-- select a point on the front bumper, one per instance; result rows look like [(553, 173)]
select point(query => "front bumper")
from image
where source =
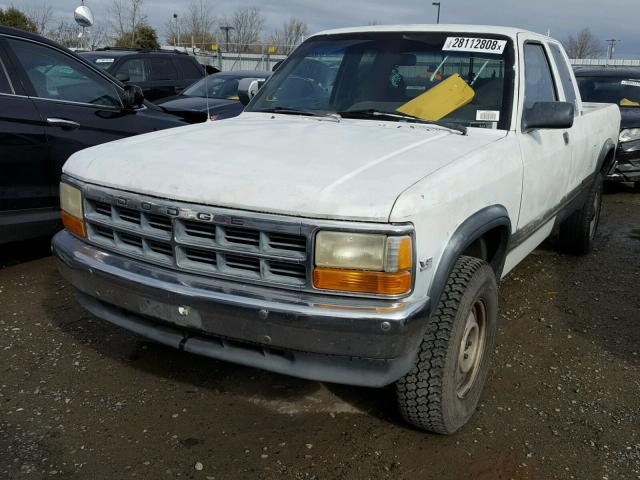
[(342, 340), (627, 168)]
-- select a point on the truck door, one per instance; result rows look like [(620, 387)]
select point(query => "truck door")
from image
[(584, 150), (547, 154)]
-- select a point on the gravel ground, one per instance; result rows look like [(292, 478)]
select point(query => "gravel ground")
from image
[(81, 399)]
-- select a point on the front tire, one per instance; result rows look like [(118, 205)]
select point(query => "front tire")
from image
[(442, 390)]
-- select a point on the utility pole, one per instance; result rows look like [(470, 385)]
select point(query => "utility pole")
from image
[(226, 29), (612, 45), (437, 4)]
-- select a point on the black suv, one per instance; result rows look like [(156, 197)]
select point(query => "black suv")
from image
[(52, 104), (160, 73)]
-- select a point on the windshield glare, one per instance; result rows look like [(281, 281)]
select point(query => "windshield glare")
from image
[(621, 91), (433, 76), (219, 87)]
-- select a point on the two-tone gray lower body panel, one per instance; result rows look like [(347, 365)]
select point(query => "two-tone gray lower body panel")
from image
[(318, 337)]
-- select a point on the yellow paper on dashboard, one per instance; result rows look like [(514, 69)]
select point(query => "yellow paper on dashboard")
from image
[(439, 101), (625, 102)]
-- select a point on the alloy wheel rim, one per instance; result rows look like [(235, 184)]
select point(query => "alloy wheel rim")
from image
[(471, 349)]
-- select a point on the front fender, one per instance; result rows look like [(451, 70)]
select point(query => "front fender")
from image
[(469, 231)]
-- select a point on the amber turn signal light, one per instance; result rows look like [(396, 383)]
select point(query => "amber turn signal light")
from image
[(73, 224), (360, 281)]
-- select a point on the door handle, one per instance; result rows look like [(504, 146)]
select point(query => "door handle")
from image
[(63, 123), (565, 135)]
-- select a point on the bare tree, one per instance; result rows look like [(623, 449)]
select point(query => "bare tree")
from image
[(289, 36), (126, 16), (195, 25), (65, 33), (584, 45), (98, 36), (247, 25), (41, 15)]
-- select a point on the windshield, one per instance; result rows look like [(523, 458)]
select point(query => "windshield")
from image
[(465, 79), (219, 86), (621, 91)]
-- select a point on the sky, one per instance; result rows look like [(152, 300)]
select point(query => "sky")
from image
[(607, 19)]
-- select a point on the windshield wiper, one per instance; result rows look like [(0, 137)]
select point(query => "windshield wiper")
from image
[(299, 111), (372, 113)]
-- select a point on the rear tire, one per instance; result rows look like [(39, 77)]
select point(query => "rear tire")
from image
[(578, 231), (442, 390)]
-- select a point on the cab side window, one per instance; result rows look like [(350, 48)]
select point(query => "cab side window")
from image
[(565, 76), (133, 70), (56, 76), (162, 69), (539, 85), (5, 86)]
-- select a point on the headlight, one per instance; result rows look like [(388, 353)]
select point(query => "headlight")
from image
[(71, 206), (363, 263), (629, 134)]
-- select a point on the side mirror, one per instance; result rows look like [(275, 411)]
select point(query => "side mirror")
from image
[(277, 64), (547, 115), (123, 77), (248, 88), (132, 97)]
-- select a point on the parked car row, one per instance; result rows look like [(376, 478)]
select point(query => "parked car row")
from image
[(394, 176), (54, 103)]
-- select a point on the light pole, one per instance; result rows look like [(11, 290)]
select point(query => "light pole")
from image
[(437, 4), (226, 29), (175, 17)]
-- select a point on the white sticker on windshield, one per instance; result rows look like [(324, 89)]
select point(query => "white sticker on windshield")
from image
[(632, 83), (468, 44), (105, 60), (488, 115)]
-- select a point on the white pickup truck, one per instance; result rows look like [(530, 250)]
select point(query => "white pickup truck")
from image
[(352, 224)]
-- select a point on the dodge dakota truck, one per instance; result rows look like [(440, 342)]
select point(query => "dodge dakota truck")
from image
[(351, 225)]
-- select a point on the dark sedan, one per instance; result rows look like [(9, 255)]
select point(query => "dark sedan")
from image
[(622, 87), (222, 91), (52, 104)]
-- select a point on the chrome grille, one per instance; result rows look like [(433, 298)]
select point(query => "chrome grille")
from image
[(198, 240)]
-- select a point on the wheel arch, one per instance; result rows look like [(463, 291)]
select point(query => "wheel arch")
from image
[(485, 235), (606, 157)]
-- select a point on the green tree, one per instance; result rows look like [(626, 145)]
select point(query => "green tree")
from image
[(12, 17), (143, 36)]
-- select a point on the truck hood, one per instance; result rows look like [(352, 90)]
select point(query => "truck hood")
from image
[(291, 165)]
